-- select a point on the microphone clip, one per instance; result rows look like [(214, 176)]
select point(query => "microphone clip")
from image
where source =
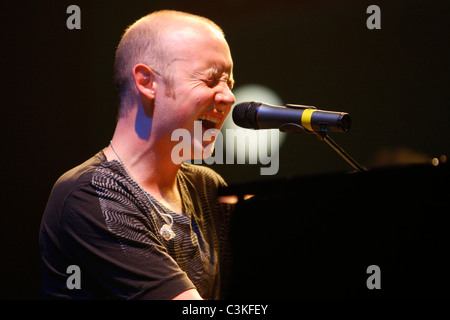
[(299, 106), (293, 127)]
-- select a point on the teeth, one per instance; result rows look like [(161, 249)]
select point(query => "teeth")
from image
[(209, 118)]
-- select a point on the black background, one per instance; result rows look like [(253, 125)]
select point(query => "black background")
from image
[(59, 107)]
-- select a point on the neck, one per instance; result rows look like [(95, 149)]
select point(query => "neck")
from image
[(147, 160)]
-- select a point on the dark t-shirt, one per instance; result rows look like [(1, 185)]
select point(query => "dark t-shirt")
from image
[(98, 219)]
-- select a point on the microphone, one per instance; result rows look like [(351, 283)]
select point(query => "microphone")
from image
[(292, 118)]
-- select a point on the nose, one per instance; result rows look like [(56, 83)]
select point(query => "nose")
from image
[(224, 98)]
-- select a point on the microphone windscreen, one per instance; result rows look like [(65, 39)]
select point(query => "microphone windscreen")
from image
[(244, 114)]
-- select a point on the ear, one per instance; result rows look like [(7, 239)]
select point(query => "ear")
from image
[(144, 79)]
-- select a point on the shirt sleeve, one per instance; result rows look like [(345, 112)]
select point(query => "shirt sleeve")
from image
[(116, 247)]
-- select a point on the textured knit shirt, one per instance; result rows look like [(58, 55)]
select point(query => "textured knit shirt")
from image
[(98, 219)]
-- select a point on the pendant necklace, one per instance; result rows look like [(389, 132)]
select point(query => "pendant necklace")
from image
[(166, 231)]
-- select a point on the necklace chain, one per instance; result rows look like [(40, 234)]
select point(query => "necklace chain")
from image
[(166, 230)]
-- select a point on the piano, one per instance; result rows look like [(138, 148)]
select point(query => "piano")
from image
[(380, 234)]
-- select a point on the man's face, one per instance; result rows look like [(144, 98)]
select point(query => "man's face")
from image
[(202, 80)]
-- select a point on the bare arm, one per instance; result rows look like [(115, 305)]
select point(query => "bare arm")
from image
[(191, 294)]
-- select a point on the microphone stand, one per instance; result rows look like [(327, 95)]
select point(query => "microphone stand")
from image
[(322, 136)]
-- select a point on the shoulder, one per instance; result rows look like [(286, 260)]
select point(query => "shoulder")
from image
[(80, 174), (199, 173), (72, 182)]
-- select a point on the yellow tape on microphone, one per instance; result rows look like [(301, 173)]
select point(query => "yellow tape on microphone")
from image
[(306, 119)]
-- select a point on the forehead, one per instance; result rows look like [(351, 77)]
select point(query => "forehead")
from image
[(201, 47)]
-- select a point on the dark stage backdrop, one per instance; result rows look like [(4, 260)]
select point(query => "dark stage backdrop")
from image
[(59, 107)]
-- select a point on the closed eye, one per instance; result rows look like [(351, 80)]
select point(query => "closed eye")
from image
[(215, 81), (212, 82)]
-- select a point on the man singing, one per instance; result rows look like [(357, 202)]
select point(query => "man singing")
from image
[(136, 224)]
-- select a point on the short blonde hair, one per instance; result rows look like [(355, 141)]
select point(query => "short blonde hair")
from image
[(143, 42)]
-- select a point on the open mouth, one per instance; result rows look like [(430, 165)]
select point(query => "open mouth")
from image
[(209, 122)]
